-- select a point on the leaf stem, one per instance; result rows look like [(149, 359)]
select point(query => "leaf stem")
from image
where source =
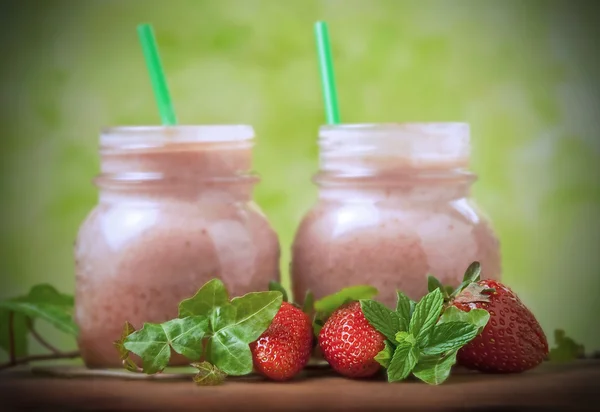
[(33, 358), (11, 338), (41, 340)]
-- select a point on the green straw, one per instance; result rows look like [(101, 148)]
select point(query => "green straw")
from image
[(157, 76), (326, 69)]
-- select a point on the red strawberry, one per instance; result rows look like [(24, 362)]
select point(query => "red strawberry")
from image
[(284, 348), (349, 343), (512, 340)]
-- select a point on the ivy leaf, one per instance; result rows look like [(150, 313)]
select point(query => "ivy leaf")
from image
[(404, 309), (403, 361), (153, 342), (238, 324), (384, 357), (309, 303), (328, 304), (208, 375), (381, 318), (276, 286), (476, 317), (210, 296), (436, 369), (128, 329), (45, 302), (450, 336), (426, 314)]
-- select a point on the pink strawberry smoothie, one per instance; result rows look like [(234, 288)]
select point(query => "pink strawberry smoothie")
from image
[(393, 207), (175, 210)]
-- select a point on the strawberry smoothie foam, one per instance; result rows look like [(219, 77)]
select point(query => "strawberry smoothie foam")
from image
[(393, 207), (175, 210)]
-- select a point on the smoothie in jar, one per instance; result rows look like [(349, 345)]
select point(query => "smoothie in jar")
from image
[(175, 210), (393, 207)]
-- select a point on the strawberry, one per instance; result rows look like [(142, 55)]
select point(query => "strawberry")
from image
[(283, 350), (512, 341), (349, 343)]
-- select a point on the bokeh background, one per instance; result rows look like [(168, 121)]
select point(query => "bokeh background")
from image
[(522, 73)]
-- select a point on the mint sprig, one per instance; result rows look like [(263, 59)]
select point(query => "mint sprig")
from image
[(207, 320), (422, 338)]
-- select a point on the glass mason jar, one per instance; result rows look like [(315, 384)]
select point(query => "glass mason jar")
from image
[(175, 210), (393, 207)]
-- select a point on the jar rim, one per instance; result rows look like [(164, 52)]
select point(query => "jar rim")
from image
[(424, 127), (117, 136)]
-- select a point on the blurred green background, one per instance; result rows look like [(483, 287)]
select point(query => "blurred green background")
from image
[(520, 72)]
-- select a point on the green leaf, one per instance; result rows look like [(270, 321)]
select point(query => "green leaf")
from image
[(230, 354), (450, 336), (426, 314), (128, 329), (381, 318), (566, 349), (208, 375), (309, 303), (210, 296), (237, 325), (153, 342), (433, 283), (404, 309), (405, 338), (330, 303), (318, 325), (476, 317), (186, 334), (435, 370), (45, 302), (254, 312), (402, 363), (472, 274), (384, 357), (20, 332), (276, 286)]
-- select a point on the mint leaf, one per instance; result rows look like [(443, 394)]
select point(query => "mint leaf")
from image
[(20, 331), (45, 302), (426, 314), (381, 318), (330, 303), (435, 370), (405, 338), (450, 336), (384, 357), (208, 375), (276, 286), (210, 296), (402, 363), (309, 303), (404, 309), (476, 317), (566, 348), (153, 342), (229, 353), (433, 283)]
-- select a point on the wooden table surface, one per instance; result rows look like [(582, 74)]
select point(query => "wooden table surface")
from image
[(572, 386)]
